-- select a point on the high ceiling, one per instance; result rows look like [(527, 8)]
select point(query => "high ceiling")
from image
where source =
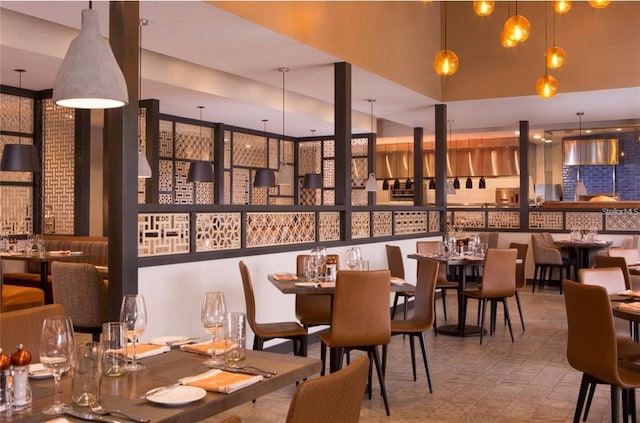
[(194, 54)]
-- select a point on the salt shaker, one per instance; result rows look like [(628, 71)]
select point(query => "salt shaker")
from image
[(5, 388), (330, 270), (21, 389)]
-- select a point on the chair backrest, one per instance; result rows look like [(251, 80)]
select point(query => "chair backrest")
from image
[(544, 252), (336, 397), (360, 310), (522, 249), (423, 309), (499, 273), (619, 262), (631, 255), (490, 238), (610, 278), (548, 238), (300, 262), (249, 297), (81, 292), (394, 261), (24, 327), (591, 336)]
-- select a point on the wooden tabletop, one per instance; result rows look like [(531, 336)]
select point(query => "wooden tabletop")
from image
[(582, 244), (45, 257), (304, 287), (123, 392), (451, 261)]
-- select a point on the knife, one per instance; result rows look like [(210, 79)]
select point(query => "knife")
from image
[(245, 371), (85, 415)]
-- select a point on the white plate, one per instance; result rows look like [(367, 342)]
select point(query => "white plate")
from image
[(76, 253), (170, 340), (177, 396), (305, 284)]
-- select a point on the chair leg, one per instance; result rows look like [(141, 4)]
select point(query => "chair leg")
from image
[(412, 348), (383, 389), (615, 399), (632, 405), (484, 309), (520, 310), (395, 305), (406, 305), (384, 358), (582, 393), (592, 391), (506, 313), (444, 303), (424, 358), (323, 357)]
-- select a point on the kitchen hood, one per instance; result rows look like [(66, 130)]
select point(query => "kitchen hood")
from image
[(590, 152)]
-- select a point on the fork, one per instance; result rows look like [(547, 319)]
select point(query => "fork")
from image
[(97, 408)]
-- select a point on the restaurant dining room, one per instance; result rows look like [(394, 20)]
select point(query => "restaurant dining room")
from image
[(236, 211)]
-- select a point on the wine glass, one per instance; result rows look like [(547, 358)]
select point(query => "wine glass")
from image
[(31, 240), (39, 239), (56, 353), (353, 258), (212, 316), (133, 314)]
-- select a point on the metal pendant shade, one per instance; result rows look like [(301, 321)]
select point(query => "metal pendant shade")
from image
[(90, 77), (144, 169), (385, 185), (20, 158), (312, 181), (396, 184), (372, 183), (469, 183), (456, 183), (200, 171), (432, 183), (482, 184), (408, 184), (265, 178)]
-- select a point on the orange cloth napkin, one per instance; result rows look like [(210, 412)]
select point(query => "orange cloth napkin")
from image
[(635, 307), (327, 284), (216, 380), (285, 277), (397, 281), (147, 350), (206, 347)]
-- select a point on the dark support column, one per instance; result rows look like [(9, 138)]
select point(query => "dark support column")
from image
[(524, 175), (218, 164), (342, 119), (152, 123), (418, 167), (82, 171), (441, 159), (121, 131)]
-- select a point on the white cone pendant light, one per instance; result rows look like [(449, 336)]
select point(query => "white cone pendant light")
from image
[(90, 77)]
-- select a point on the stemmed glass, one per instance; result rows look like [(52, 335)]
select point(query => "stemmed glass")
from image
[(56, 353), (133, 313), (212, 317), (353, 258), (31, 240), (320, 254), (39, 239)]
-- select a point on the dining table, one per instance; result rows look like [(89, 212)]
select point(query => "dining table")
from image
[(585, 249), (126, 392), (459, 265), (44, 260), (298, 285), (628, 307)]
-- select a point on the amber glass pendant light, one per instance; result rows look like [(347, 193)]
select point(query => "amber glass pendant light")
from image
[(547, 85), (561, 6), (517, 27), (483, 7), (555, 55), (446, 61), (599, 4)]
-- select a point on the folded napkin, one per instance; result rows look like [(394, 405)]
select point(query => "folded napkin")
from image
[(147, 350), (630, 293), (629, 307), (284, 277), (327, 284), (397, 281), (59, 252), (206, 347), (216, 380)]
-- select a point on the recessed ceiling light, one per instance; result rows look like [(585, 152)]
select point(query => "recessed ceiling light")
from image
[(588, 131), (618, 129), (517, 132), (547, 141), (537, 137)]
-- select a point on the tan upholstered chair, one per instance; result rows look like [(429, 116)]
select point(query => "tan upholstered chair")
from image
[(359, 320), (396, 267), (24, 327), (632, 281), (592, 345), (443, 283), (489, 238), (313, 310), (14, 297), (631, 255), (82, 293), (266, 331), (423, 315), (498, 283), (333, 398), (547, 257), (521, 280)]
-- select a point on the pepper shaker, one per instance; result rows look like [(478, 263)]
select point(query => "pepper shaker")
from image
[(5, 388)]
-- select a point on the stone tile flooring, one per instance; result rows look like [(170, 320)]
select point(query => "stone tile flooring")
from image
[(499, 381)]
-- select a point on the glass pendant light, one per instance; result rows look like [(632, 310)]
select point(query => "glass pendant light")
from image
[(20, 157), (483, 7), (561, 6), (200, 170), (555, 55), (90, 77), (446, 61), (546, 85), (599, 4), (372, 183), (284, 176), (517, 27), (265, 178)]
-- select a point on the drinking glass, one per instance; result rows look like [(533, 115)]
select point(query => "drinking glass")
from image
[(321, 255), (354, 256), (212, 316), (31, 240), (39, 238), (56, 353), (133, 314)]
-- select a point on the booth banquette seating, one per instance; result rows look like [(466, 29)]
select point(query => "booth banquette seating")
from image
[(95, 248)]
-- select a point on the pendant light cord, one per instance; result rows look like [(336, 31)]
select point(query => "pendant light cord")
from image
[(545, 41), (445, 25), (20, 72)]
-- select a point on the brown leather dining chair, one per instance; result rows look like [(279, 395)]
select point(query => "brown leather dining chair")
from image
[(498, 283), (592, 347), (443, 283), (332, 398), (313, 310), (396, 267), (266, 331), (83, 294), (547, 258), (632, 281), (360, 320), (422, 318)]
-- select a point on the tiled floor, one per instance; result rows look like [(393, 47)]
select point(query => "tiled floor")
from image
[(499, 381)]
